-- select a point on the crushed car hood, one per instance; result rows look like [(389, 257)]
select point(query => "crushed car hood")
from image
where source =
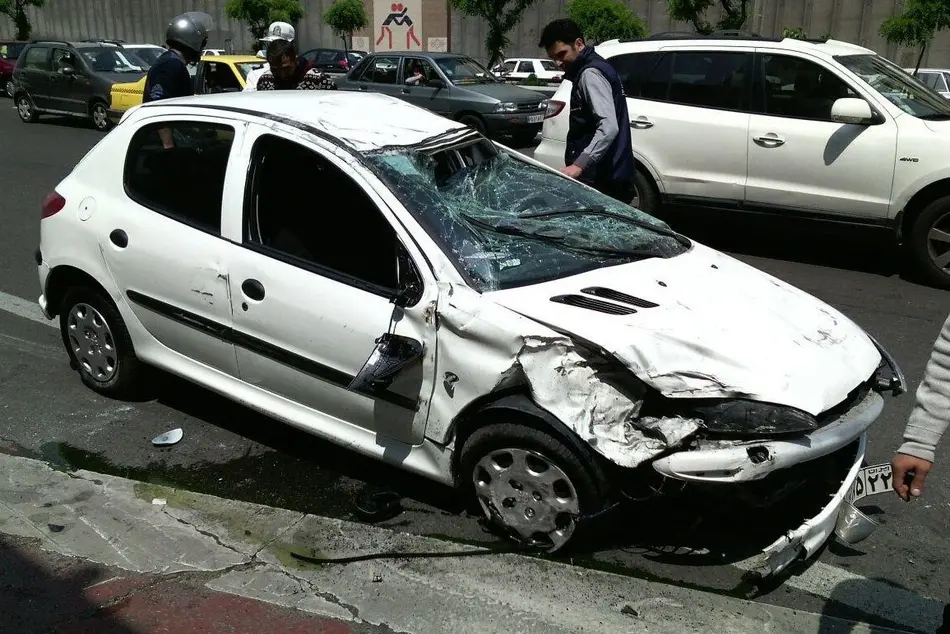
[(709, 326)]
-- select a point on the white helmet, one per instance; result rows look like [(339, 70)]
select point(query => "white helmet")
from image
[(279, 31)]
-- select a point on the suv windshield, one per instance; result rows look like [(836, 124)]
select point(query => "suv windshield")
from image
[(148, 54), (465, 70), (505, 223), (113, 60), (11, 51), (903, 90)]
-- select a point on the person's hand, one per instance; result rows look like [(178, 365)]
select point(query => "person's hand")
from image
[(901, 465), (571, 171)]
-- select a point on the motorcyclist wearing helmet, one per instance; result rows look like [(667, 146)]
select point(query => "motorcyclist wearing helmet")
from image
[(276, 31), (186, 36)]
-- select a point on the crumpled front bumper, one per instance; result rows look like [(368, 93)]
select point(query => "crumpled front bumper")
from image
[(745, 462)]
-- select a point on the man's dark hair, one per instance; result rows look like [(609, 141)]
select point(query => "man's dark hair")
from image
[(564, 30), (279, 49)]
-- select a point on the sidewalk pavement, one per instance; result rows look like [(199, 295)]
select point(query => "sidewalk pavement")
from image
[(86, 552)]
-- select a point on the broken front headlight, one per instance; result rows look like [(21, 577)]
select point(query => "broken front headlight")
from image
[(738, 417)]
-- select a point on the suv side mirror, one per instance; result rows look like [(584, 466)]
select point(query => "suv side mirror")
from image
[(67, 70), (435, 83), (851, 110)]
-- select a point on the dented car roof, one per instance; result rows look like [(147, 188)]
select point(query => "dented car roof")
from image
[(365, 121)]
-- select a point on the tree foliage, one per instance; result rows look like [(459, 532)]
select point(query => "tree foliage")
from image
[(16, 11), (917, 24), (258, 14), (602, 20), (500, 15), (345, 17), (735, 14)]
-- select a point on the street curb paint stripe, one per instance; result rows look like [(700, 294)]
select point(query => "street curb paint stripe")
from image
[(24, 308)]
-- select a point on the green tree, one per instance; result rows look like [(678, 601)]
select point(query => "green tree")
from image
[(260, 13), (16, 10), (602, 20), (501, 16), (345, 17), (917, 24), (735, 14)]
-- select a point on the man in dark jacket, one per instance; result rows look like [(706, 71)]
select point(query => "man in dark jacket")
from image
[(598, 150)]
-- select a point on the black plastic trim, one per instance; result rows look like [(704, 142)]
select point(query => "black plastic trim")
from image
[(258, 346)]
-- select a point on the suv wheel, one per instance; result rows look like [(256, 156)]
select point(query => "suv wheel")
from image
[(98, 343), (8, 87), (929, 242), (100, 116), (644, 198), (473, 121), (25, 108)]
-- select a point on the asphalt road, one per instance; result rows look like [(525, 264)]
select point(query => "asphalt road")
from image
[(897, 577)]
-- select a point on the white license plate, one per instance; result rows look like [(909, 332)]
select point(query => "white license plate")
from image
[(872, 480), (536, 118)]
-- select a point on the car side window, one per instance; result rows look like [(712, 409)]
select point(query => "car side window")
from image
[(525, 67), (36, 58), (381, 70), (63, 58), (358, 247), (510, 67), (186, 182), (800, 89), (633, 69), (413, 65), (220, 78)]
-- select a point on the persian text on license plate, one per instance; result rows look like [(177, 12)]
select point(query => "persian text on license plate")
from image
[(536, 118), (872, 480)]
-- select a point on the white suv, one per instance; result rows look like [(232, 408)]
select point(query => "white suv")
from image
[(824, 130)]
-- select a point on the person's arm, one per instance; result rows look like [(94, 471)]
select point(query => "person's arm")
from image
[(928, 420), (252, 78), (596, 91), (415, 79)]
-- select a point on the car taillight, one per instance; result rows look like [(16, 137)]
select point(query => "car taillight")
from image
[(52, 203), (554, 108)]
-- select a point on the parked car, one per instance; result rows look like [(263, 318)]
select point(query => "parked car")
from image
[(936, 78), (333, 60), (9, 52), (147, 52), (72, 78), (784, 128), (213, 73), (454, 86), (519, 68), (474, 317)]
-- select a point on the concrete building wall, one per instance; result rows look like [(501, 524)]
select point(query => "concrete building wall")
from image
[(434, 27)]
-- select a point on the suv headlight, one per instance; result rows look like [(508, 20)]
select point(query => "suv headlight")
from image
[(506, 106)]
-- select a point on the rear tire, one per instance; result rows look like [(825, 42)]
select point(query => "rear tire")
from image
[(99, 344), (529, 483), (8, 87), (26, 109), (99, 115), (646, 198), (928, 243)]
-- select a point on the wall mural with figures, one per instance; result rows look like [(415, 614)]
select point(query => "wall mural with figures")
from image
[(397, 25)]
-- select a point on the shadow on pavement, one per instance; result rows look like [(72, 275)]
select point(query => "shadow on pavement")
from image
[(908, 611), (39, 596)]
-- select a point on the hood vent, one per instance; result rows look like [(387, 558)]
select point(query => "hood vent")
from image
[(617, 296), (579, 301)]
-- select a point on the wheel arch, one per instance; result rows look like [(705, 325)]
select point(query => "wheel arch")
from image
[(918, 202), (65, 277)]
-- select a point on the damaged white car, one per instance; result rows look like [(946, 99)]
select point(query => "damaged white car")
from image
[(391, 280)]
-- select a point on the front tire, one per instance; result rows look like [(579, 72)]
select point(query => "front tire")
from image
[(929, 242), (8, 88), (530, 484), (475, 122), (99, 344), (645, 194)]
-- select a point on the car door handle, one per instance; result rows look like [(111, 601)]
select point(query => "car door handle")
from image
[(769, 140), (119, 238), (641, 123), (253, 290)]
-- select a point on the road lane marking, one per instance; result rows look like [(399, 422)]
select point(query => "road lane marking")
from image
[(28, 309)]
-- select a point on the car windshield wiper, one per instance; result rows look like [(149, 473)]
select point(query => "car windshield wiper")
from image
[(935, 117), (557, 240), (600, 211)]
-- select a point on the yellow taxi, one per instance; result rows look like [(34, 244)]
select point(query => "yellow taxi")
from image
[(213, 73)]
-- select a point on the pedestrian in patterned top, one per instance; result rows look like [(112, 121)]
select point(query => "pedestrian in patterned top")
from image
[(290, 72)]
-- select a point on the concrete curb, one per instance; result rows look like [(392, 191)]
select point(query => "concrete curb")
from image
[(405, 582)]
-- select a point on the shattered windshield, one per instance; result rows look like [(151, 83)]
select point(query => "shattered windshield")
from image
[(506, 223), (899, 87)]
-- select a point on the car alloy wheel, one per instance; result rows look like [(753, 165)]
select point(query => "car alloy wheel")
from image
[(529, 494), (100, 116), (8, 88), (24, 108), (92, 343)]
